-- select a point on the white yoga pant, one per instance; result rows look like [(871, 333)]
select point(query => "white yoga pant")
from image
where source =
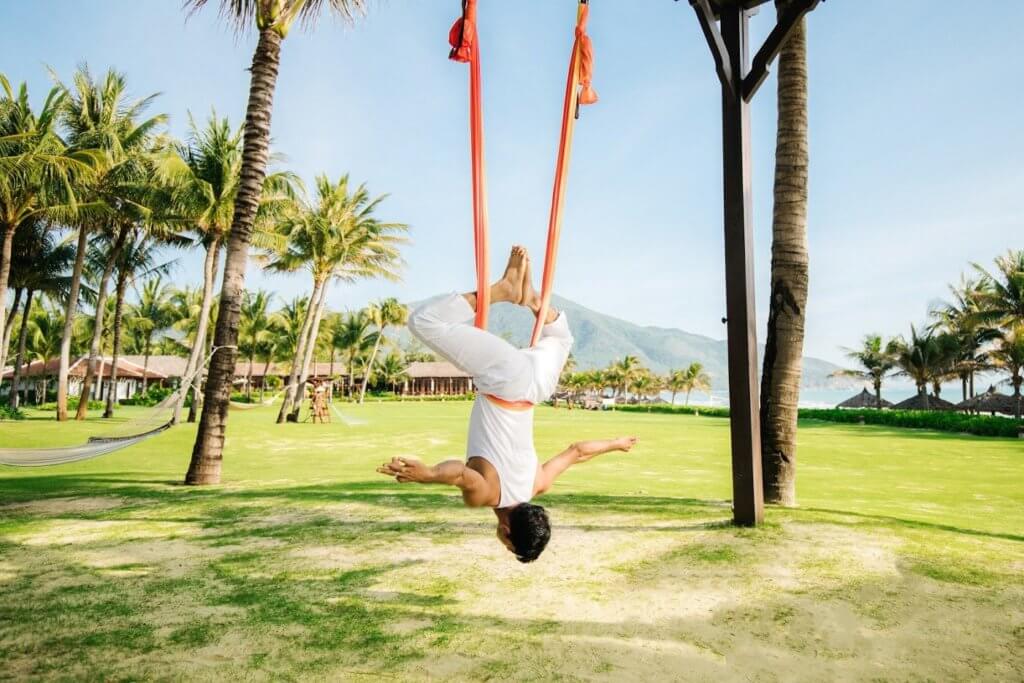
[(498, 368)]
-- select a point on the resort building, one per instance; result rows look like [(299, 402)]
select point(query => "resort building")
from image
[(437, 378)]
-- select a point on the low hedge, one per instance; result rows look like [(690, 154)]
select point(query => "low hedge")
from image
[(942, 421)]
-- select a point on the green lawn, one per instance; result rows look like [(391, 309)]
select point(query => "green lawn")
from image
[(905, 561)]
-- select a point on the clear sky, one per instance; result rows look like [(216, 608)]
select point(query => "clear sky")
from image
[(916, 140)]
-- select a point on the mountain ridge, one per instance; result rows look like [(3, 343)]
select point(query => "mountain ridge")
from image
[(601, 339)]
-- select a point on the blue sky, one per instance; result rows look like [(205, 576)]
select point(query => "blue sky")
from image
[(916, 141)]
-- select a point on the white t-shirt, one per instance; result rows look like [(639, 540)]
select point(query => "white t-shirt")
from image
[(504, 438)]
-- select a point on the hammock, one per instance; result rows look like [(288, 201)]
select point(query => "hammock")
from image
[(130, 433), (466, 48), (240, 405)]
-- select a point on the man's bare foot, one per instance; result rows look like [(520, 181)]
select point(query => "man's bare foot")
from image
[(530, 298), (626, 443), (510, 287)]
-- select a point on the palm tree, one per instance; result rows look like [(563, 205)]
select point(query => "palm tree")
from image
[(876, 359), (99, 116), (621, 374), (336, 238), (273, 20), (1001, 296), (151, 315), (205, 180), (695, 379), (962, 319), (353, 338), (39, 264), (783, 354), (645, 384), (138, 261), (1008, 355), (46, 325), (387, 313), (925, 358), (38, 175), (254, 328), (392, 370)]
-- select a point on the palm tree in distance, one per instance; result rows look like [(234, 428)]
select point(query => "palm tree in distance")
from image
[(925, 358), (254, 329), (273, 19), (1008, 355), (877, 359), (963, 320), (1001, 296), (337, 238), (352, 336), (151, 315), (388, 313)]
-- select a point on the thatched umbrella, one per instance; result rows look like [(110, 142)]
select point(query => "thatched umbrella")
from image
[(864, 399), (916, 402), (989, 402)]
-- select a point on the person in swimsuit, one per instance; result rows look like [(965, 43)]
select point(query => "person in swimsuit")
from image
[(501, 470)]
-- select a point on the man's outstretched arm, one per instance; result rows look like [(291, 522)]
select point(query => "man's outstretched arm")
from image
[(450, 472), (580, 451)]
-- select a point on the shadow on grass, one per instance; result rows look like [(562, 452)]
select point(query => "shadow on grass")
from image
[(396, 497)]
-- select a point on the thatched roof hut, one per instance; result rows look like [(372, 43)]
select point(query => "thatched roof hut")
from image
[(990, 402), (916, 402), (864, 399)]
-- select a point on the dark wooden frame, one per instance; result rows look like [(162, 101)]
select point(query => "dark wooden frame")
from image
[(725, 26)]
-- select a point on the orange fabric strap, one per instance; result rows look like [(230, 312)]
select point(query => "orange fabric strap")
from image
[(577, 91), (465, 45), (466, 48), (517, 406)]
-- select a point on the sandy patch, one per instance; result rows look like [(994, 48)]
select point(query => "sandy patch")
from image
[(53, 507), (71, 532)]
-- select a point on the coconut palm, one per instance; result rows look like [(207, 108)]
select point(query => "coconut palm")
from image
[(391, 371), (39, 265), (38, 175), (1007, 354), (273, 19), (98, 115), (150, 316), (621, 374), (46, 326), (336, 238), (877, 359), (780, 380), (962, 319), (695, 379), (254, 328), (1001, 296), (387, 313), (353, 338), (644, 385), (204, 180), (925, 358), (139, 260)]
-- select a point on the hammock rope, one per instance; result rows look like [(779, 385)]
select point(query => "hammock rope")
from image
[(465, 47), (132, 432)]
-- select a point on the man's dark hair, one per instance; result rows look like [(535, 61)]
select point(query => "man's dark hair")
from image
[(529, 531)]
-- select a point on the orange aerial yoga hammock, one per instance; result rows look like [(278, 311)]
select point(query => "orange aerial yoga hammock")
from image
[(466, 48)]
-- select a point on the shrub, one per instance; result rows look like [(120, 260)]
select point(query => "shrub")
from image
[(942, 421), (154, 395), (9, 413)]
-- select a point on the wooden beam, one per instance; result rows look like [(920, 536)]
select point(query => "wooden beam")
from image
[(723, 64), (773, 45), (744, 406)]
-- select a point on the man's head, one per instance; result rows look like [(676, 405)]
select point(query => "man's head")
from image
[(525, 531)]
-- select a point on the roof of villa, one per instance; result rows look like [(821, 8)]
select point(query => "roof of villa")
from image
[(420, 370)]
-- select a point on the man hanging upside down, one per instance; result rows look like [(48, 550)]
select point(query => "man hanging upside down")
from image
[(501, 469)]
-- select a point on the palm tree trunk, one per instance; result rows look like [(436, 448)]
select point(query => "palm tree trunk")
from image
[(878, 394), (369, 365), (674, 392), (145, 362), (291, 389), (5, 275), (97, 333), (780, 382), (207, 453), (195, 356), (686, 401), (69, 325), (197, 396), (122, 283), (248, 379), (972, 383), (314, 331), (5, 337), (263, 384), (22, 339)]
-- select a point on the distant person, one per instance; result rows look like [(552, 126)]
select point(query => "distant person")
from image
[(501, 470)]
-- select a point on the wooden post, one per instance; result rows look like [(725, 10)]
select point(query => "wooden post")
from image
[(728, 41)]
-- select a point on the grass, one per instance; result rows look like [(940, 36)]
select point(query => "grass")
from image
[(904, 562)]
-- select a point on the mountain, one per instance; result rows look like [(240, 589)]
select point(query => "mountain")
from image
[(601, 338)]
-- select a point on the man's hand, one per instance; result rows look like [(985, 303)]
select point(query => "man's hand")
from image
[(407, 470)]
